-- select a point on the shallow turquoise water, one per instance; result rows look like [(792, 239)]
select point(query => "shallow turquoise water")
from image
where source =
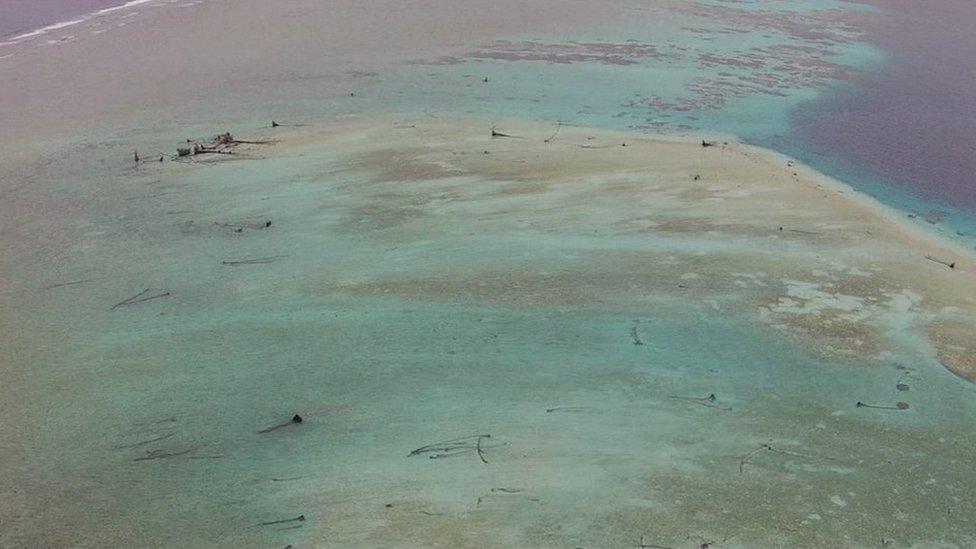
[(388, 332)]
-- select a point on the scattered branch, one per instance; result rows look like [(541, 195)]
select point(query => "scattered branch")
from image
[(941, 262), (141, 297), (642, 545), (897, 406), (257, 261), (239, 227), (708, 401), (220, 144), (295, 419), (454, 447), (160, 454), (770, 448), (481, 454), (62, 284), (567, 409), (299, 518)]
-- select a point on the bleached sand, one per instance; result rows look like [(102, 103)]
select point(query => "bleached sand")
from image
[(544, 312)]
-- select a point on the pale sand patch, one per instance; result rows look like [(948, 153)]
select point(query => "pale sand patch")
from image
[(792, 232)]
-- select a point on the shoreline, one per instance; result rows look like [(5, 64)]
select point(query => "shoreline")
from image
[(83, 18), (892, 214), (638, 333)]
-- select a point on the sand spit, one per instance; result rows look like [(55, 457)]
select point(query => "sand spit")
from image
[(810, 256)]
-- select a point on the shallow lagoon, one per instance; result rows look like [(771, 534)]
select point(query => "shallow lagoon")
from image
[(445, 311)]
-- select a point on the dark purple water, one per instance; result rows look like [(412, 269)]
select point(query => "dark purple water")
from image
[(910, 125), (21, 16)]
